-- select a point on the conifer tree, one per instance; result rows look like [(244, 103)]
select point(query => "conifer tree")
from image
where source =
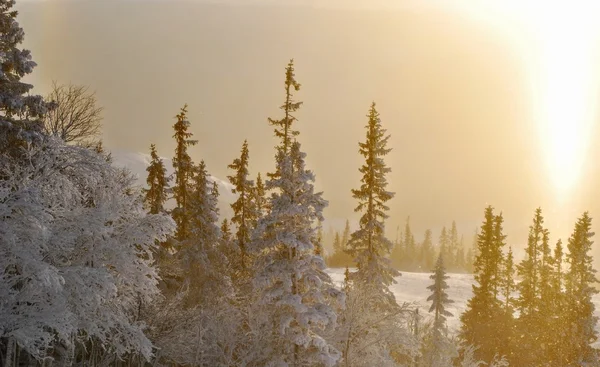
[(337, 244), (184, 170), (346, 235), (370, 295), (397, 256), (557, 328), (227, 247), (529, 268), (201, 258), (507, 324), (156, 194), (451, 261), (469, 261), (319, 240), (484, 310), (496, 258), (245, 213), (444, 243), (440, 351), (579, 311), (369, 244), (260, 200), (291, 286), (225, 231), (427, 253), (20, 113), (508, 282), (410, 248), (530, 300)]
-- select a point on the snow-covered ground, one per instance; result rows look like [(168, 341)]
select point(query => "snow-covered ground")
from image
[(412, 287)]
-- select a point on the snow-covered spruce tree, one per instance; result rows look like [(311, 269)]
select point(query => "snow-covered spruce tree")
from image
[(245, 213), (439, 351), (20, 113), (484, 310), (184, 170), (158, 184), (579, 313), (75, 256), (319, 251), (293, 292), (372, 330)]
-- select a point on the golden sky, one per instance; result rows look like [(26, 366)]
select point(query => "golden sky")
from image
[(456, 91)]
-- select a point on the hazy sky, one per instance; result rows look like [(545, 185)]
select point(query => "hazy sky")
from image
[(454, 92)]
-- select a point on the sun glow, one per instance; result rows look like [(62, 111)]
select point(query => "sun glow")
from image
[(560, 48), (567, 97)]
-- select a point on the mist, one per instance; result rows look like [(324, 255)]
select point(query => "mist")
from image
[(452, 91)]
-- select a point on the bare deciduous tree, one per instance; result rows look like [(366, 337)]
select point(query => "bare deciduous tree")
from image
[(77, 117)]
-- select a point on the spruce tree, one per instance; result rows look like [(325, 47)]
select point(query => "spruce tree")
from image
[(427, 253), (444, 243), (529, 302), (369, 244), (410, 248), (346, 234), (451, 261), (440, 350), (292, 289), (557, 328), (507, 324), (200, 256), (579, 311), (508, 282), (319, 240), (496, 258), (20, 113), (338, 247), (245, 213), (260, 200), (184, 170), (370, 247), (156, 193), (469, 261), (479, 322)]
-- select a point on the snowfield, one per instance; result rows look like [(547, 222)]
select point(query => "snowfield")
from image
[(412, 287)]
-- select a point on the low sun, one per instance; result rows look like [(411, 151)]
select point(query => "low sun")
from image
[(561, 52), (567, 93)]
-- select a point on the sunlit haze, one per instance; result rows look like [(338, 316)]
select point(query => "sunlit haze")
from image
[(487, 102)]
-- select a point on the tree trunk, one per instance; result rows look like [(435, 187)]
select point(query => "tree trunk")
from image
[(10, 353)]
